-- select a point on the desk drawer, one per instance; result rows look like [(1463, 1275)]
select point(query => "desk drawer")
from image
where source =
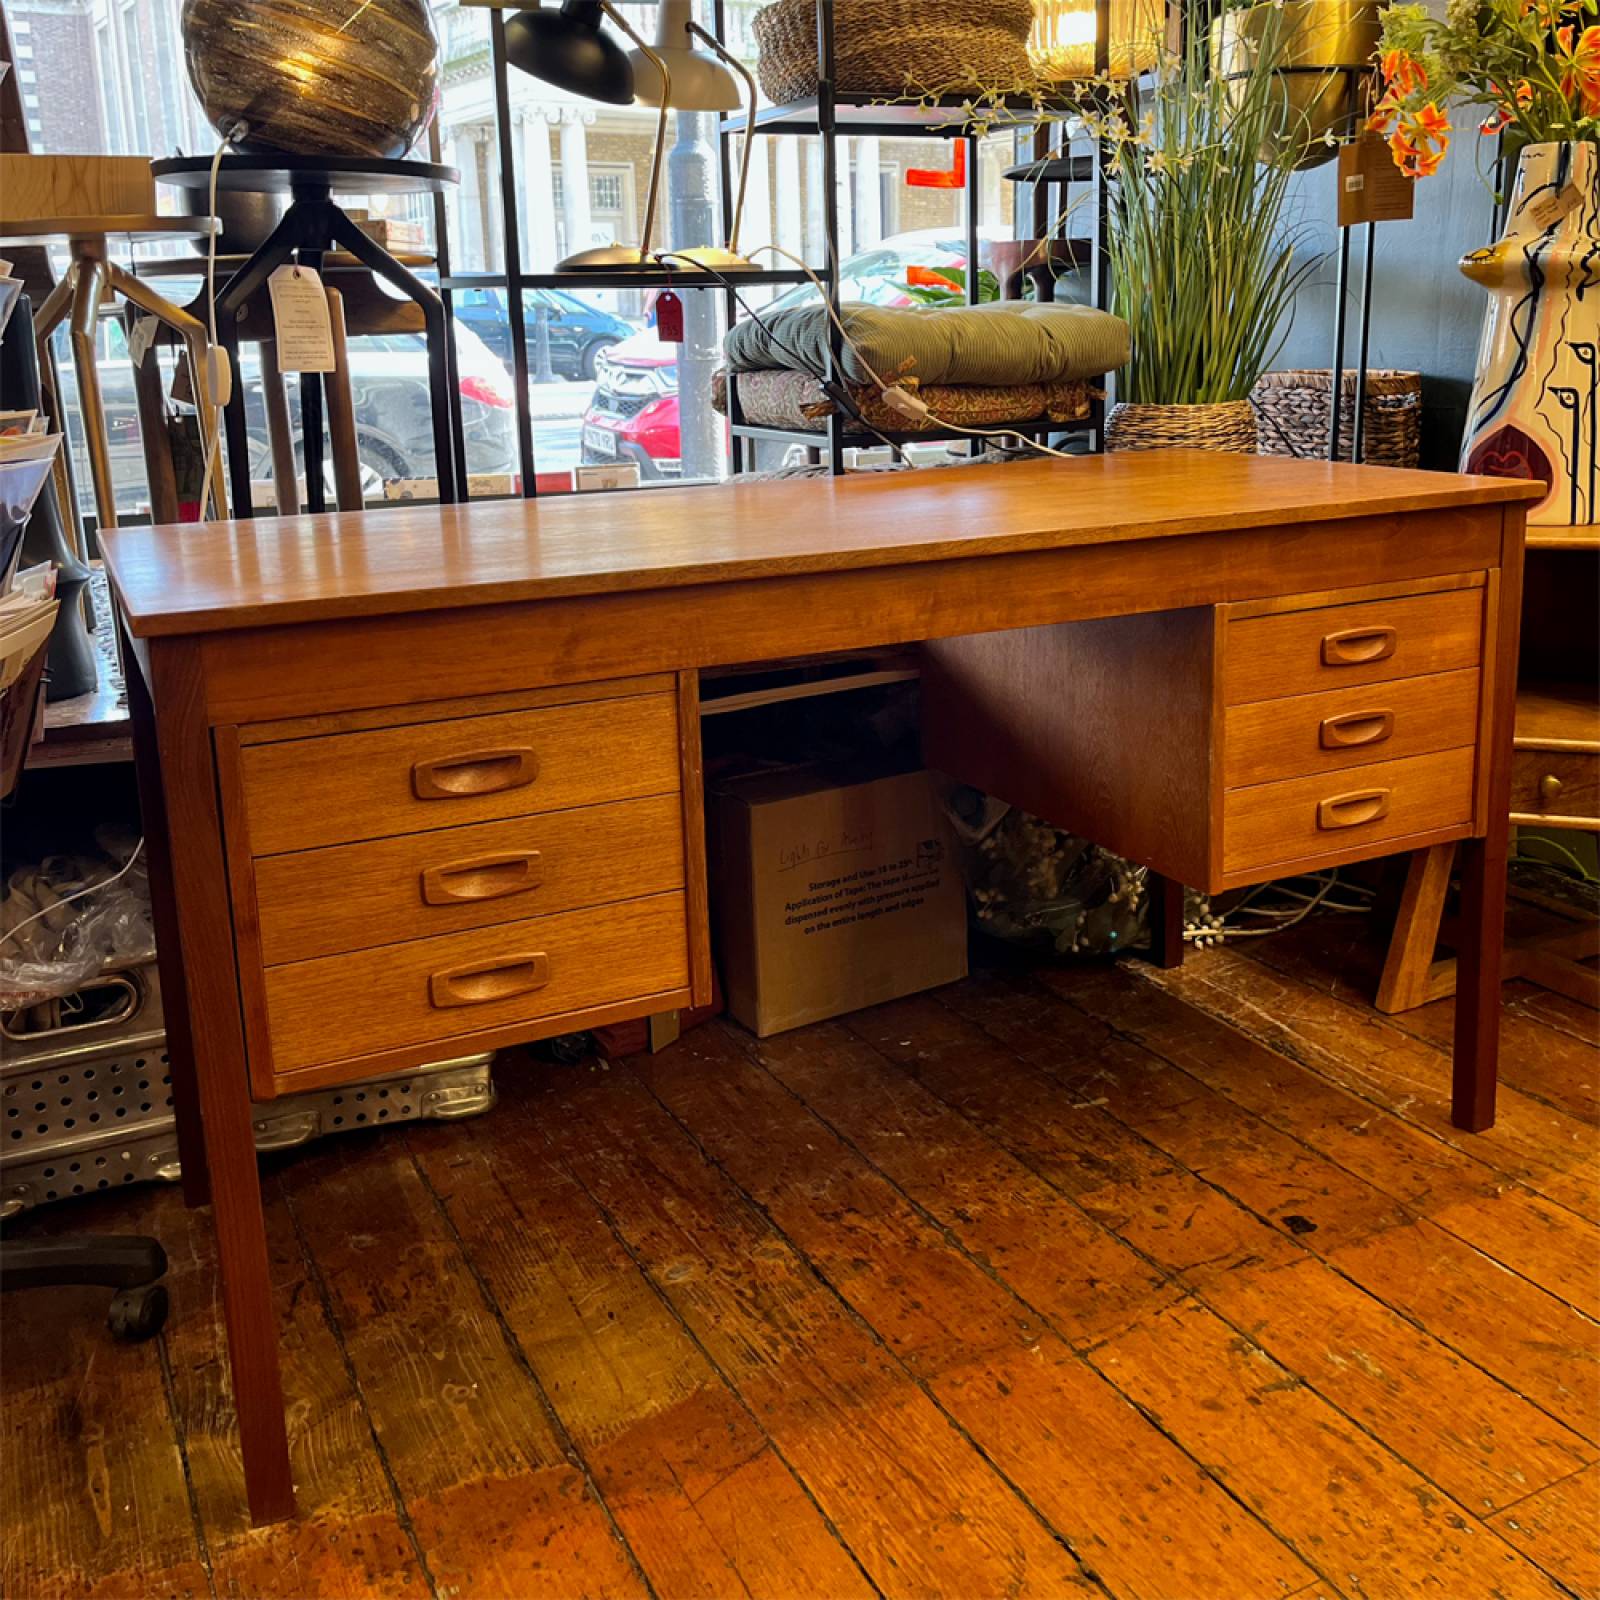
[(348, 897), (1556, 783), (1339, 728), (1304, 818), (300, 794), (434, 991), (1333, 647)]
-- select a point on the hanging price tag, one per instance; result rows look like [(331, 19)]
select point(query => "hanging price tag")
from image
[(300, 320), (1546, 210), (669, 317), (142, 337)]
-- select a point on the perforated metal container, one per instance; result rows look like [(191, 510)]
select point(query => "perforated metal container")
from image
[(89, 1106)]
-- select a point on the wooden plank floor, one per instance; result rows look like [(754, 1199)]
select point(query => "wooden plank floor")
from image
[(1092, 1280)]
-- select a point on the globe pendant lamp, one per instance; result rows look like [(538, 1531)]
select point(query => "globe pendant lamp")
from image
[(699, 82), (569, 49)]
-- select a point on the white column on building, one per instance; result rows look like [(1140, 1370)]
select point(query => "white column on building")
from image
[(494, 215), (869, 194), (843, 208), (790, 209), (756, 228), (816, 250), (538, 193), (473, 237), (575, 212)]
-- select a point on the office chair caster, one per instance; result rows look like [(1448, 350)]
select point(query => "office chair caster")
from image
[(138, 1314), (130, 1264)]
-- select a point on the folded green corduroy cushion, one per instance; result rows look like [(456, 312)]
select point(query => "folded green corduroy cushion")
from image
[(1002, 342)]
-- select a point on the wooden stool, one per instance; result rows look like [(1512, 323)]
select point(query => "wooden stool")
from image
[(90, 275)]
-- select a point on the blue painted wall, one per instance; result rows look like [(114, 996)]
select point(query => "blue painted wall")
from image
[(1425, 315)]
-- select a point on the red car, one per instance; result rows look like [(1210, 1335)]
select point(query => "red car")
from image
[(633, 413)]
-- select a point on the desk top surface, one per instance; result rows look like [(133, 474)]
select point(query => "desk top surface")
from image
[(206, 577)]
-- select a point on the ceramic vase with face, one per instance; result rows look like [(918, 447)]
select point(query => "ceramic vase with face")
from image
[(1534, 403)]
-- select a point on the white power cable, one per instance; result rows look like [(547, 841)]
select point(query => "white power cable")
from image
[(77, 894), (217, 379)]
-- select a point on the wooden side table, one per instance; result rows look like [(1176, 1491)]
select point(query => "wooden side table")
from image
[(90, 275)]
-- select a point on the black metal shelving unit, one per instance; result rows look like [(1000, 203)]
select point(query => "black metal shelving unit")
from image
[(831, 112), (825, 115)]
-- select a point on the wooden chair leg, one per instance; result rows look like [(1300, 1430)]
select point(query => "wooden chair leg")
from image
[(347, 488), (280, 433), (1411, 976)]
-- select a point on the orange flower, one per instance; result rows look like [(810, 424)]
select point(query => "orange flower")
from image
[(1420, 141), (1383, 114), (1404, 72), (1583, 59)]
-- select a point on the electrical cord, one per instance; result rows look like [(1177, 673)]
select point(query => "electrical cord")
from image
[(208, 380)]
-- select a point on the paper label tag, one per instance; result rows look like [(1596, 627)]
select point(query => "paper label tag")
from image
[(142, 337), (669, 317), (300, 320), (1546, 210)]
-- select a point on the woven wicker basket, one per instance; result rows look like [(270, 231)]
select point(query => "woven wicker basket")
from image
[(1293, 411), (897, 47), (1228, 426)]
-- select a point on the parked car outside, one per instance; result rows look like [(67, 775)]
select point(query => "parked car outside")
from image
[(578, 331), (633, 415), (394, 416)]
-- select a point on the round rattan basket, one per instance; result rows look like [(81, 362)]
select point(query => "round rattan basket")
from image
[(897, 47), (1228, 426), (1292, 410)]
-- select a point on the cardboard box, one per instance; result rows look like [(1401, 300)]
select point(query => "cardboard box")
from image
[(828, 895)]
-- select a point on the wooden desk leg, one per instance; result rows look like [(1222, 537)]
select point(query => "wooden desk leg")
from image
[(1483, 861), (200, 890), (1483, 924), (164, 914), (1166, 921)]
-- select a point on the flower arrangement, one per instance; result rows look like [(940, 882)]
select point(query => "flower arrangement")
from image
[(1534, 65)]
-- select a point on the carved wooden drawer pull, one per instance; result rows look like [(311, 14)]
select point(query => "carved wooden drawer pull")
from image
[(1351, 810), (480, 772), (1356, 728), (1357, 647), (481, 878), (483, 982)]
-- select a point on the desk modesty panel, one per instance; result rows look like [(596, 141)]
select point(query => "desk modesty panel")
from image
[(425, 781)]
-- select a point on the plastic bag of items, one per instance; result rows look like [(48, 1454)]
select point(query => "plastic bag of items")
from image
[(69, 918), (1033, 884)]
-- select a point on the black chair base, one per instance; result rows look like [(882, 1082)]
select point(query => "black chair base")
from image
[(128, 1263)]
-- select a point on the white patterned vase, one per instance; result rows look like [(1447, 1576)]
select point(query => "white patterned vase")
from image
[(1534, 402)]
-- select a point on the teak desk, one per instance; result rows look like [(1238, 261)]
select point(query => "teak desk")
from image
[(427, 781)]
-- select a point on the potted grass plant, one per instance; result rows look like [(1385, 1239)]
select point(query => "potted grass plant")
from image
[(1204, 254)]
